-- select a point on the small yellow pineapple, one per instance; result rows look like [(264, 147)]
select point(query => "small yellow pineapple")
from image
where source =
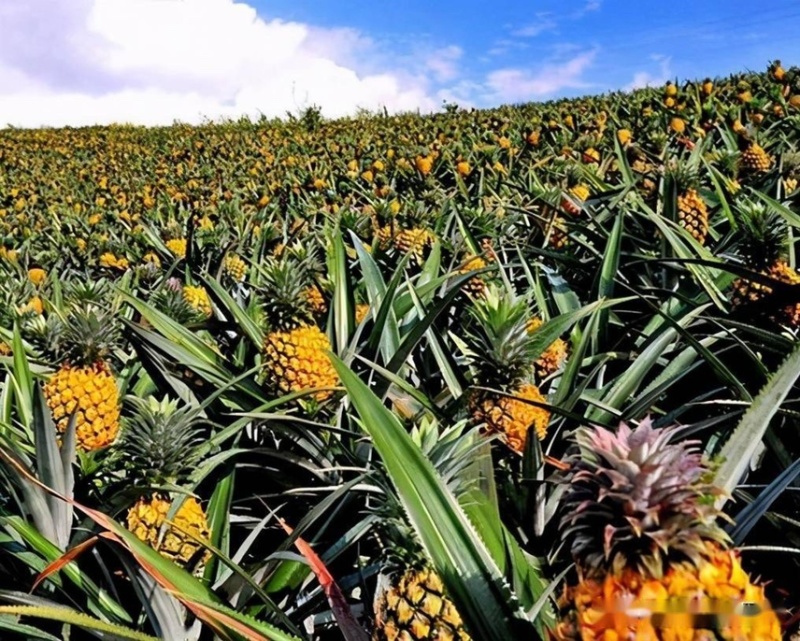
[(178, 540), (553, 357), (296, 360), (37, 275), (177, 246), (476, 285), (413, 241), (512, 416), (693, 214), (235, 268), (198, 299), (414, 607), (315, 300), (755, 160)]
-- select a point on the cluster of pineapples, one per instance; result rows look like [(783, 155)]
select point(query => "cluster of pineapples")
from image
[(651, 560)]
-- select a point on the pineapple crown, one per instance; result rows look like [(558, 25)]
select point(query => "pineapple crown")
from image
[(638, 500), (765, 235), (83, 334), (283, 284), (499, 337), (160, 440)]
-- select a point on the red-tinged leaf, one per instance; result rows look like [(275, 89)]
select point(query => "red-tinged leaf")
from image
[(350, 628), (64, 559)]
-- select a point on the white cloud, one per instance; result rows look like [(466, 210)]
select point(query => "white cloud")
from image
[(82, 62), (517, 85), (647, 79), (544, 22)]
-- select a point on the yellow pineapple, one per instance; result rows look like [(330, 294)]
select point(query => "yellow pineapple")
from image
[(414, 607), (754, 159), (553, 358), (197, 298), (84, 385), (295, 348), (413, 241), (235, 268), (504, 400), (476, 285), (178, 540), (315, 300), (161, 445), (693, 214), (177, 246), (37, 275), (362, 311), (645, 555)]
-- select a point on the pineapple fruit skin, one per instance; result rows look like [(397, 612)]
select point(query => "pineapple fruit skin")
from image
[(512, 417), (633, 606), (198, 300), (755, 160), (296, 360), (693, 215), (146, 518), (90, 392), (415, 608)]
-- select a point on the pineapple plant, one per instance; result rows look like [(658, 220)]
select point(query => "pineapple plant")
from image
[(652, 561), (639, 519), (160, 444), (764, 249), (504, 398), (84, 385), (691, 209), (295, 348)]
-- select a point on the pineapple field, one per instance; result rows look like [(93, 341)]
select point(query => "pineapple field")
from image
[(521, 373)]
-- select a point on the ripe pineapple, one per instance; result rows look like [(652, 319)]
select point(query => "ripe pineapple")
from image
[(475, 286), (177, 246), (754, 160), (413, 241), (693, 214), (414, 607), (235, 268), (553, 357), (84, 383), (502, 360), (295, 349), (159, 446), (197, 298), (690, 208), (764, 248), (643, 531)]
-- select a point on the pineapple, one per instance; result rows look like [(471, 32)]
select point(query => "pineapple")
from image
[(147, 518), (413, 241), (411, 602), (691, 209), (553, 357), (501, 357), (754, 160), (475, 286), (197, 298), (693, 214), (362, 311), (84, 384), (643, 531), (235, 268), (159, 446), (414, 607), (295, 349), (177, 247), (764, 248)]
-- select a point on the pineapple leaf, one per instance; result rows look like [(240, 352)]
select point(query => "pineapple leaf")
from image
[(740, 448), (472, 578)]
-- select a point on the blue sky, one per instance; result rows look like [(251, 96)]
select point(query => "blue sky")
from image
[(626, 39), (79, 62)]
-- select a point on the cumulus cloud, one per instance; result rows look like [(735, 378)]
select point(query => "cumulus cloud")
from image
[(518, 85), (643, 79), (154, 61)]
